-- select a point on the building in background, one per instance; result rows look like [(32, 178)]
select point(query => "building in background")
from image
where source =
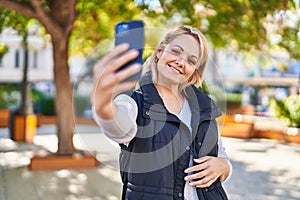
[(40, 58)]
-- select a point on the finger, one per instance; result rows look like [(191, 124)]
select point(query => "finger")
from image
[(205, 182), (105, 82), (222, 178), (113, 53), (104, 63), (110, 82), (122, 60), (130, 71), (202, 159), (198, 175), (197, 167), (124, 86)]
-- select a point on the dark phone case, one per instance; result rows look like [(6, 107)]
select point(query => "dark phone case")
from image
[(131, 32)]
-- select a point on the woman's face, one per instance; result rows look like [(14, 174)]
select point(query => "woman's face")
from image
[(178, 61)]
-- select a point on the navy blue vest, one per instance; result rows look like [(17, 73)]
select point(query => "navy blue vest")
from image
[(152, 165)]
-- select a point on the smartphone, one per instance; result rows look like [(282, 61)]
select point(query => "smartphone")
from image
[(131, 32)]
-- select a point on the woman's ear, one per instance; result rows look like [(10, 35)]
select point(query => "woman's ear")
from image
[(158, 53)]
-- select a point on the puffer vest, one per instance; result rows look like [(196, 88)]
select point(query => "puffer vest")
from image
[(152, 165)]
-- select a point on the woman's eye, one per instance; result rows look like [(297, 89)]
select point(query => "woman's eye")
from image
[(175, 51), (192, 61)]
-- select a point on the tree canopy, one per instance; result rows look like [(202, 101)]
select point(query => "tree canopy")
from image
[(95, 22), (237, 24), (286, 33)]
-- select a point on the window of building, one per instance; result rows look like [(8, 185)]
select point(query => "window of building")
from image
[(35, 56), (17, 59)]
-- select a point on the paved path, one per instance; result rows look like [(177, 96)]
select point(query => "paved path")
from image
[(263, 170)]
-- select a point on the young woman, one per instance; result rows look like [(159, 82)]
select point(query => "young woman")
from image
[(171, 148)]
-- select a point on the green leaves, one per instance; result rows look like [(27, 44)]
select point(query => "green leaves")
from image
[(287, 110), (3, 50), (96, 20), (9, 19), (10, 96), (237, 24)]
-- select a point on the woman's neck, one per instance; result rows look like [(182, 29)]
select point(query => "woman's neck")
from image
[(167, 89), (171, 96), (167, 86)]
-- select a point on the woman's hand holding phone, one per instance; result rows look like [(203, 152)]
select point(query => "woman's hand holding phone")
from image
[(119, 69), (109, 80)]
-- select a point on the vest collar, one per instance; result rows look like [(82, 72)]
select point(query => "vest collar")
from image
[(202, 106)]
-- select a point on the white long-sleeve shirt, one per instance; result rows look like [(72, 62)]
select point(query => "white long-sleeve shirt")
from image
[(123, 128)]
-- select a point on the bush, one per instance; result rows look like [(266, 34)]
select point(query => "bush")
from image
[(81, 103), (233, 99), (288, 110), (10, 96), (36, 97), (46, 105)]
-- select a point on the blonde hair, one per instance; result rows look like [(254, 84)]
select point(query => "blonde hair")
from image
[(196, 78)]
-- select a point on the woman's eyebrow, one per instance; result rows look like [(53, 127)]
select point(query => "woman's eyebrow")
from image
[(176, 45)]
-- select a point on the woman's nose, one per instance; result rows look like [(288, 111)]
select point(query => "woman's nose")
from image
[(180, 60)]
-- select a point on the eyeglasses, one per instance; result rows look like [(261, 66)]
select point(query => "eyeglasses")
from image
[(179, 53)]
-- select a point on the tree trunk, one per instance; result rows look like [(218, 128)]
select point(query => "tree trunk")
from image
[(26, 104), (63, 98)]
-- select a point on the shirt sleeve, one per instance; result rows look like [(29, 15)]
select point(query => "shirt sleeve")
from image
[(223, 154), (122, 128)]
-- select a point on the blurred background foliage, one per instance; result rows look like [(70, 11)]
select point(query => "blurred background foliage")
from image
[(10, 96), (3, 50), (239, 25), (287, 109), (96, 20), (249, 25)]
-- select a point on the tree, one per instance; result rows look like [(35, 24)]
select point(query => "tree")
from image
[(286, 28), (19, 23), (235, 24), (96, 20), (58, 18)]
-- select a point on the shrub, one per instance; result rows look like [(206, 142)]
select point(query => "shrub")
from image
[(233, 99), (36, 97), (10, 96), (46, 105), (288, 110), (81, 103)]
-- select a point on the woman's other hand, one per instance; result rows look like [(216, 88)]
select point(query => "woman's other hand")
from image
[(207, 170)]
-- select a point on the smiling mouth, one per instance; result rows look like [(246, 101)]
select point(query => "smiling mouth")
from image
[(175, 69)]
